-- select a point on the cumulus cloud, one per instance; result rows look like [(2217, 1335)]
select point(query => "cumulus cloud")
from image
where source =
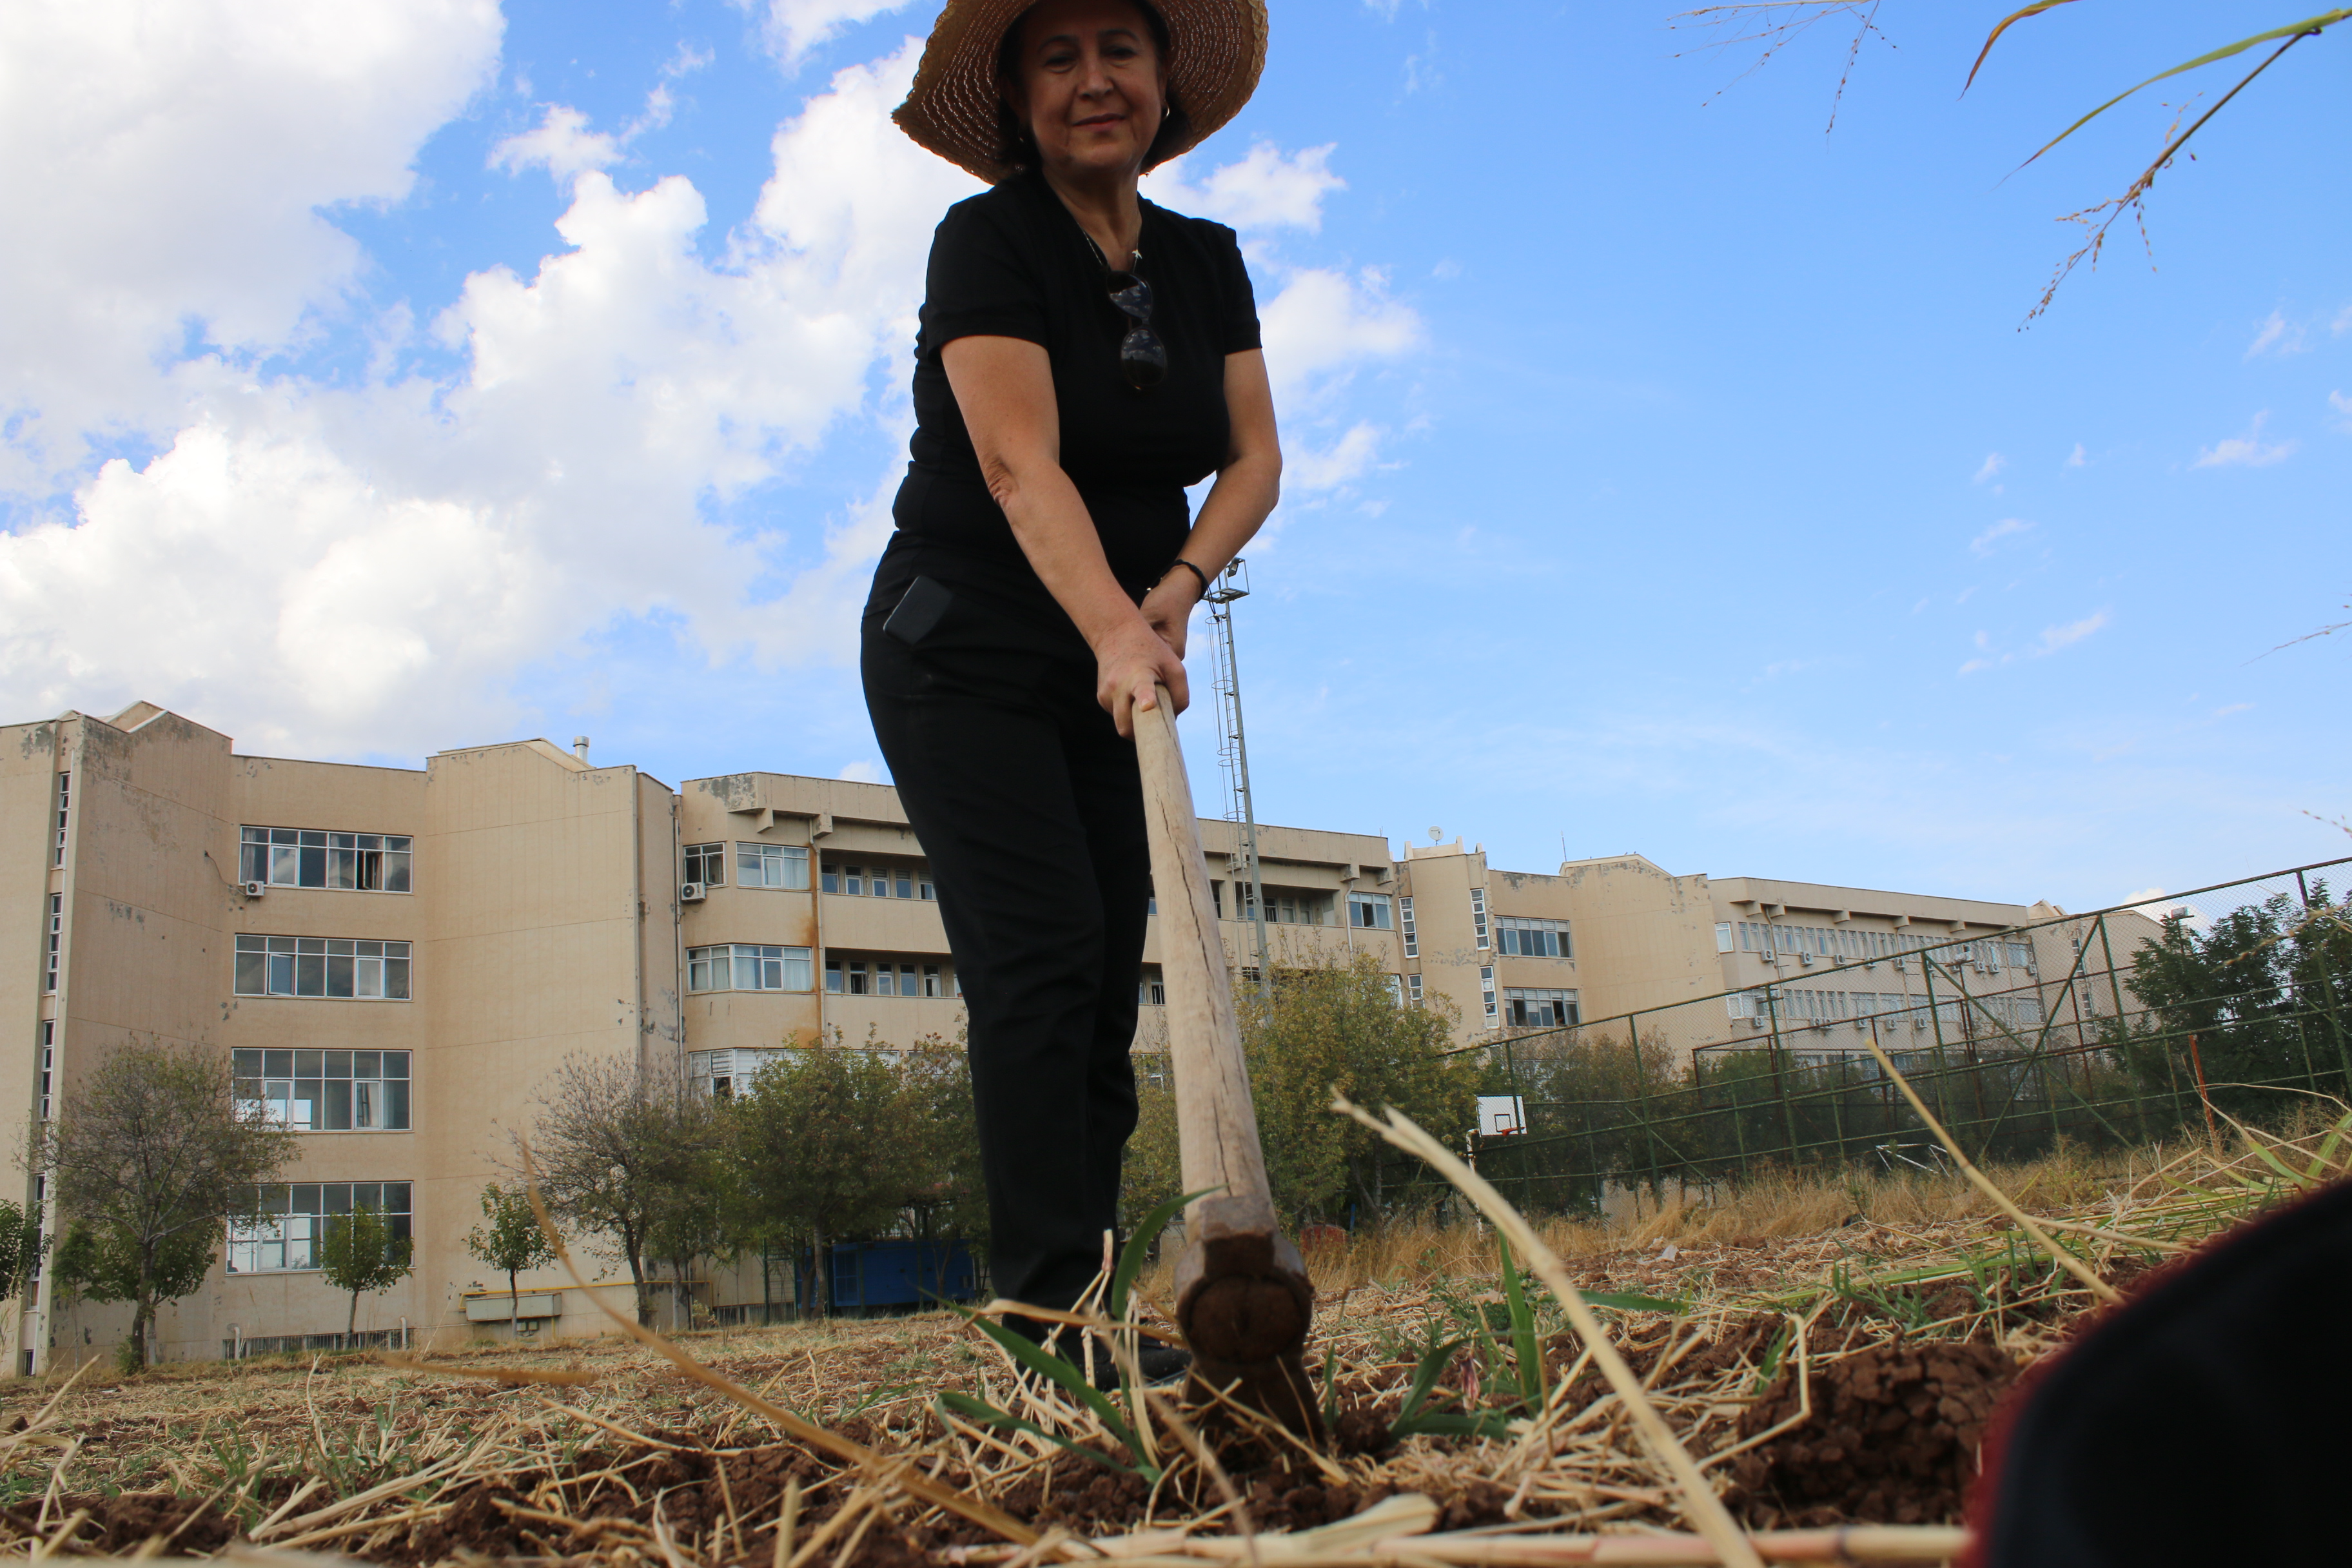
[(1268, 189), (1992, 465), (363, 567), (166, 169), (2249, 450), (790, 28)]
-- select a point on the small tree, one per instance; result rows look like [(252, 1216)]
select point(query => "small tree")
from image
[(21, 1245), (510, 1239), (612, 1142), (152, 1156), (828, 1143), (359, 1254)]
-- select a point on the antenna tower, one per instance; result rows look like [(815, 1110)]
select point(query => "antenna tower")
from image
[(1233, 752)]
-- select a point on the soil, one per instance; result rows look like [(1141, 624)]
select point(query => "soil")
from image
[(121, 1524), (1893, 1438)]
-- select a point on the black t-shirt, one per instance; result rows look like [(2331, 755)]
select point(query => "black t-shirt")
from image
[(1013, 263)]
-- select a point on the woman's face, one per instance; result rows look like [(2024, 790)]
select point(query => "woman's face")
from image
[(1088, 83)]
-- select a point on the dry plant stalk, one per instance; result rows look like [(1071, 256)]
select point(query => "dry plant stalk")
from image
[(1700, 1505)]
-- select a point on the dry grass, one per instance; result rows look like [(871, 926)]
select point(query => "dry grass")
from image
[(1783, 1288)]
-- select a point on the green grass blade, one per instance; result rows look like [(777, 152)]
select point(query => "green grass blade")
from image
[(1523, 1331), (2308, 25), (1047, 1365), (1131, 1256), (981, 1413), (2033, 10), (1630, 1302), (1446, 1424), (1425, 1376), (1330, 1390)]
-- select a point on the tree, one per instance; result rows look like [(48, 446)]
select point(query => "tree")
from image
[(151, 1157), (949, 1198), (510, 1239), (359, 1253), (21, 1246), (1315, 1028), (616, 1146), (829, 1144)]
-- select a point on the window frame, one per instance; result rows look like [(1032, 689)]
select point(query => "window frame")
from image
[(307, 1226), (759, 956), (264, 852), (310, 967), (389, 1104), (770, 858), (696, 862)]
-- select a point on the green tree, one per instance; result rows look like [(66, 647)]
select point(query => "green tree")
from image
[(21, 1246), (828, 1144), (614, 1145), (1315, 1028), (151, 1157), (359, 1253), (949, 1198), (510, 1239)]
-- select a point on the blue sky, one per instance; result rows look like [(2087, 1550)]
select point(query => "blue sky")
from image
[(1668, 473)]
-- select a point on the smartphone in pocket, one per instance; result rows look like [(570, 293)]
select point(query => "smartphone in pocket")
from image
[(920, 609)]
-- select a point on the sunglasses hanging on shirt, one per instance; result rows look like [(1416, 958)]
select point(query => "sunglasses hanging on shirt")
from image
[(1142, 357)]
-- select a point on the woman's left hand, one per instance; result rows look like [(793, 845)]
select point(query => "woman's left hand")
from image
[(1169, 607)]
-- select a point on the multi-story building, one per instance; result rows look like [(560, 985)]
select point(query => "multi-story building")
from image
[(396, 961)]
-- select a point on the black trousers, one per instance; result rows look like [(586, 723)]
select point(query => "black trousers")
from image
[(1029, 808)]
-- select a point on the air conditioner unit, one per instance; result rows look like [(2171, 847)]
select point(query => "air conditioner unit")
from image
[(1756, 1023), (1902, 966), (254, 889), (1806, 959), (692, 893), (1770, 957)]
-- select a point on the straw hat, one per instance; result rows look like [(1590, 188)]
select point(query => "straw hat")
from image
[(1215, 48)]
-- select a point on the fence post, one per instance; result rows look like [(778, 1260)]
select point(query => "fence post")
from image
[(1837, 1107), (1936, 1024), (2326, 986), (1780, 1077), (1641, 1087)]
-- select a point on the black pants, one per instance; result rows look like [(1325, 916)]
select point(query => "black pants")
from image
[(1029, 808)]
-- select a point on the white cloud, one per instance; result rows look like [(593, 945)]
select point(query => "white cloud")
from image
[(2078, 457), (2343, 322), (2056, 637), (790, 28), (363, 568), (2343, 405), (866, 771), (1266, 190), (2248, 450), (1993, 464), (1982, 544), (2277, 336), (166, 169), (562, 143)]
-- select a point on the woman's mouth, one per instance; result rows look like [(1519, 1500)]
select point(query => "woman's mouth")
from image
[(1100, 120)]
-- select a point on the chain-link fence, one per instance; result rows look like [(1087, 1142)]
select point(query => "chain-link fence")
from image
[(2116, 1028)]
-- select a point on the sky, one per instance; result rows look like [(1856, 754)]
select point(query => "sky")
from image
[(1669, 468)]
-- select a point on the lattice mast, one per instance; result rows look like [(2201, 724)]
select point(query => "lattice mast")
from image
[(1233, 752)]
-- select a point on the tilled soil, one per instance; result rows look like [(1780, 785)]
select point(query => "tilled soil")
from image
[(1893, 1438)]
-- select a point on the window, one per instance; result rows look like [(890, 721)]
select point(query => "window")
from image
[(1412, 989), (1486, 989), (65, 804), (295, 1215), (930, 895), (724, 1074), (1534, 1007), (772, 866), (1404, 927), (888, 977), (1367, 912), (707, 863), (1396, 988), (1723, 936), (57, 937), (747, 966), (326, 1091), (306, 857), (339, 968), (1478, 923), (49, 1062), (1522, 937), (1151, 991)]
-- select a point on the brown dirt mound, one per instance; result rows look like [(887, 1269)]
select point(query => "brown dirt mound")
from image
[(1893, 1438), (122, 1523)]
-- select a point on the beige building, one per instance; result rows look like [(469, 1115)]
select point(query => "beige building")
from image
[(397, 959)]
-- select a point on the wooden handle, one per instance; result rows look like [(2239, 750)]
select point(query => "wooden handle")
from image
[(1217, 1126)]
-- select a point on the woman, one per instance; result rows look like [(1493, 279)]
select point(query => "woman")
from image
[(1084, 356)]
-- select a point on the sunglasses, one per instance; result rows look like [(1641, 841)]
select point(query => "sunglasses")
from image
[(1142, 357)]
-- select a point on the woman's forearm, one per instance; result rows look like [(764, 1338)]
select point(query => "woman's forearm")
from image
[(1237, 507), (1056, 532)]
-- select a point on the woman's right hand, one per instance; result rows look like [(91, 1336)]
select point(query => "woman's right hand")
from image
[(1130, 659)]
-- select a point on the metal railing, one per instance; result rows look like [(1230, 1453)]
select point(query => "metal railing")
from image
[(2116, 1028)]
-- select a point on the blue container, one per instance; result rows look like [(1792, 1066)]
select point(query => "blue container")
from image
[(895, 1275)]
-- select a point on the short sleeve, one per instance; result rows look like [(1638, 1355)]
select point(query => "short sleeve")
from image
[(1239, 327), (979, 283)]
